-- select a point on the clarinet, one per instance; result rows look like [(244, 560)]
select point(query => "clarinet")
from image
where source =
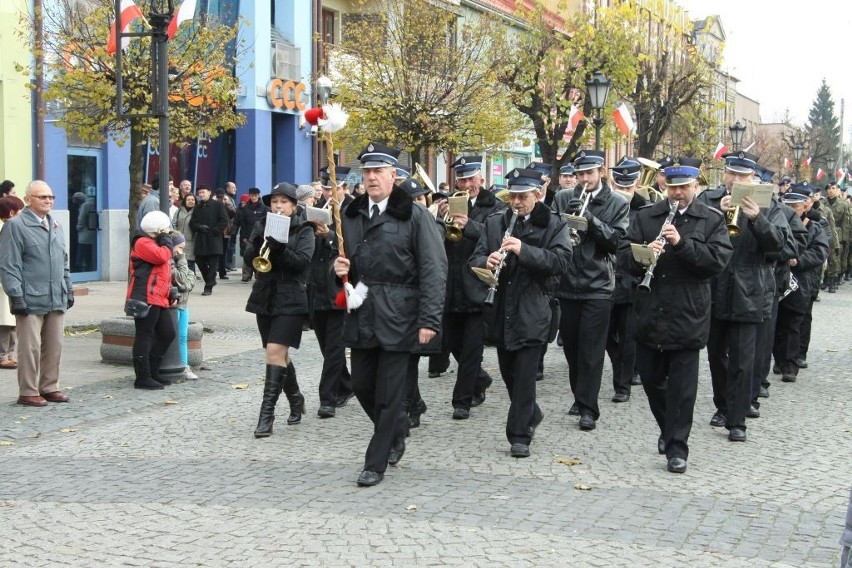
[(492, 291), (645, 285)]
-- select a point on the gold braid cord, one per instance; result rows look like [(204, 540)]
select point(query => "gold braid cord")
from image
[(335, 205)]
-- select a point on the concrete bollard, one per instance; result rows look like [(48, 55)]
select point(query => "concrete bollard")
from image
[(118, 334)]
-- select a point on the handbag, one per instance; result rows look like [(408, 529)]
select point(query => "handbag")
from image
[(136, 308)]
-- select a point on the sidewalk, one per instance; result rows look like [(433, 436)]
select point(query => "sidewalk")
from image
[(228, 330)]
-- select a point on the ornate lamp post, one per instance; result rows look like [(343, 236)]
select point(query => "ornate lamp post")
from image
[(798, 149), (597, 88), (737, 132), (830, 162)]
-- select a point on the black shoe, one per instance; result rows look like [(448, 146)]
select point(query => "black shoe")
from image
[(244, 279), (370, 478), (676, 465), (397, 451), (752, 412), (636, 380), (207, 291), (520, 451), (224, 277), (737, 435), (718, 419), (764, 392), (341, 401), (434, 374), (271, 392), (414, 421), (587, 422), (559, 340), (478, 399), (326, 411), (620, 397), (776, 369), (290, 386), (142, 369), (574, 410), (155, 371), (461, 414), (539, 376), (661, 446), (538, 416), (788, 378), (801, 363), (414, 413)]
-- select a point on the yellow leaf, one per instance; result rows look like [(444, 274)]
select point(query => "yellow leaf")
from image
[(569, 461), (107, 396), (411, 508), (67, 430), (170, 402), (582, 487), (240, 386), (6, 443)]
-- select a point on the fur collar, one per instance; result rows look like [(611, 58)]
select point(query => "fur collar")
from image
[(485, 199), (400, 205), (540, 216)]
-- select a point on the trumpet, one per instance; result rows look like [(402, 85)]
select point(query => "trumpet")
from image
[(454, 231), (732, 220), (492, 291), (261, 262), (577, 223), (645, 188), (645, 285)]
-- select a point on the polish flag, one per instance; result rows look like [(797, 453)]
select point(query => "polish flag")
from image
[(820, 174), (720, 150), (184, 13), (808, 161), (623, 120), (574, 118), (787, 164), (839, 173), (129, 13)]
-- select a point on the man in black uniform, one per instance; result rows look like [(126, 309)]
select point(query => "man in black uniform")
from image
[(335, 385), (585, 292), (247, 216), (208, 223), (531, 256), (739, 296), (567, 177), (465, 292), (392, 247), (544, 169), (672, 318)]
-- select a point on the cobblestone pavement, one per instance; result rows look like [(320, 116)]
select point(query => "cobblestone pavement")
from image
[(123, 477)]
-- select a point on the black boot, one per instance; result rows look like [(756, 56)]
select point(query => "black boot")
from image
[(142, 368), (155, 370), (832, 284), (271, 392), (294, 397)]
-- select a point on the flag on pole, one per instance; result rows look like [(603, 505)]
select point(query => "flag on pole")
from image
[(839, 174), (820, 174), (129, 11), (720, 150), (787, 164), (623, 120), (184, 13), (808, 161), (574, 118)]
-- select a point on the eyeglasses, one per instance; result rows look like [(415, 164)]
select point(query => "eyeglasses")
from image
[(44, 197)]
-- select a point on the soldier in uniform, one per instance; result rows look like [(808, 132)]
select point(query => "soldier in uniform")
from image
[(465, 292), (531, 257), (842, 212), (567, 177), (620, 344), (739, 296), (392, 250), (585, 292), (672, 319)]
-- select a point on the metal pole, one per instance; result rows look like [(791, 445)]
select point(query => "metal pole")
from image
[(39, 87), (159, 23), (598, 123)]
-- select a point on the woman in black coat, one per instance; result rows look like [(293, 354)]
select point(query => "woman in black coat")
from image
[(279, 300)]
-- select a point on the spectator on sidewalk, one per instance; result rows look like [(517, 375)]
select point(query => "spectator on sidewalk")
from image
[(7, 187), (10, 206), (34, 273), (247, 216), (208, 223), (181, 223), (225, 259), (184, 281)]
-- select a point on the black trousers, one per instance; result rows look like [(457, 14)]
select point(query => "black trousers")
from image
[(207, 264), (730, 352), (412, 384), (518, 369), (788, 339), (154, 333), (764, 343), (335, 380), (463, 336), (584, 326), (378, 379), (670, 380), (805, 337), (621, 347), (439, 362)]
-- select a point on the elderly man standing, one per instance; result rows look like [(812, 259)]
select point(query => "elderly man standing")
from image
[(394, 249), (35, 276)]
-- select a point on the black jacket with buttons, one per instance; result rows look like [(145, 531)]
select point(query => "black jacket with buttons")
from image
[(808, 269), (675, 314)]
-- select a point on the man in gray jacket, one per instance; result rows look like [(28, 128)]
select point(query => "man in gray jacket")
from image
[(35, 276)]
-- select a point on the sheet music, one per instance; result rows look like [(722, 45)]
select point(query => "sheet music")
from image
[(318, 215), (760, 193), (457, 205), (277, 227), (643, 254)]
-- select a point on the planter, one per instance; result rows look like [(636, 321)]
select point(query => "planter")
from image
[(119, 333)]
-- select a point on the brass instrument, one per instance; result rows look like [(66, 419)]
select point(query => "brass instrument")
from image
[(649, 172), (419, 172), (645, 285), (261, 262), (454, 231), (577, 223), (492, 291), (732, 220)]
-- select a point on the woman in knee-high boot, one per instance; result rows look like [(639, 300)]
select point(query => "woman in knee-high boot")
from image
[(279, 300)]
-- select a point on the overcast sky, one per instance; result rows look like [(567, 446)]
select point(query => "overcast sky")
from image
[(781, 50)]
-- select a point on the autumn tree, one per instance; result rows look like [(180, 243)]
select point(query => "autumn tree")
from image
[(823, 130), (547, 65), (81, 80), (409, 73)]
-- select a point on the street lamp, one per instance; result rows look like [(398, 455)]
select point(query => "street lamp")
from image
[(323, 90), (737, 132), (829, 162), (597, 88), (798, 149)]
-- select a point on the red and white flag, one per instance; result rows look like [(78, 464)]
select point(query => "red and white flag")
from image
[(720, 150), (787, 164), (808, 161), (184, 13), (574, 118), (129, 13), (623, 120), (839, 173), (820, 174)]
